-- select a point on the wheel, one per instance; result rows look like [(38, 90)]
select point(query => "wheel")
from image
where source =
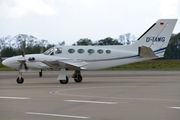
[(78, 78), (20, 80), (64, 81)]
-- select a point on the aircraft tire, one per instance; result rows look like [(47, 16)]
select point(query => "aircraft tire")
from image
[(40, 74), (64, 81), (78, 78), (19, 80)]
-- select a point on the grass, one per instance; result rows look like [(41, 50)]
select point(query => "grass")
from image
[(151, 65), (145, 65), (4, 68)]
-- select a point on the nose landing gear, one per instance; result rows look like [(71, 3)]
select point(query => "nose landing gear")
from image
[(20, 79)]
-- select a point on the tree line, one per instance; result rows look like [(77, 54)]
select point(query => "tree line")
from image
[(11, 46), (173, 48)]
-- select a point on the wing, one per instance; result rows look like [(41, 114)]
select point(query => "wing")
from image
[(66, 63)]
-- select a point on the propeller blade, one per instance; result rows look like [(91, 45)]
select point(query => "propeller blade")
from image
[(23, 45), (25, 66), (20, 66), (23, 61), (42, 49)]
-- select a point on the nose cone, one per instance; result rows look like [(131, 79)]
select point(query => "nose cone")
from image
[(5, 62), (11, 62)]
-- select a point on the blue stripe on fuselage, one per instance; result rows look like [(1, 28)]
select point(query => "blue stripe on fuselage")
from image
[(161, 50)]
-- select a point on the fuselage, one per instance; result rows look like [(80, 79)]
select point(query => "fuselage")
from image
[(96, 57)]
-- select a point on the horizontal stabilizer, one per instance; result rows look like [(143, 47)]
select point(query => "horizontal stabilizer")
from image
[(146, 52)]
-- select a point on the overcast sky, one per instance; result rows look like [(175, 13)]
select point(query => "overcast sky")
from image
[(70, 20)]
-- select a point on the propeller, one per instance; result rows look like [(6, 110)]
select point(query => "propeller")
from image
[(23, 44), (23, 60)]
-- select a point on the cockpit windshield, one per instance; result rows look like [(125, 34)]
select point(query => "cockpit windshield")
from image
[(49, 51), (52, 51)]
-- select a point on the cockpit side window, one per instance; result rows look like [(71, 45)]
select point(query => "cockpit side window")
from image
[(52, 53), (58, 50)]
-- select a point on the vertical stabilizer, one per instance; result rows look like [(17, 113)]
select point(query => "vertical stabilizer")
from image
[(157, 36)]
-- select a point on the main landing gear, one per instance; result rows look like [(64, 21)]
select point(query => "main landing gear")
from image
[(64, 81), (77, 77)]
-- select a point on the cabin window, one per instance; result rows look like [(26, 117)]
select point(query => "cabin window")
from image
[(80, 51), (90, 51), (58, 50), (108, 51), (100, 51), (71, 50)]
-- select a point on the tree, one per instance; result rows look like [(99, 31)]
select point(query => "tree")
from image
[(19, 39), (122, 39), (11, 46), (31, 40), (127, 39), (61, 43), (173, 49), (127, 35), (5, 42), (108, 41), (84, 41), (43, 44), (8, 52), (49, 46)]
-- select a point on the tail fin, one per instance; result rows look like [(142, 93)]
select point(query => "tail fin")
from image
[(157, 36)]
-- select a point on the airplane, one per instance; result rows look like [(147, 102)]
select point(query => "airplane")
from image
[(151, 44)]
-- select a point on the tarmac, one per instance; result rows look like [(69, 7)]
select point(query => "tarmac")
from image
[(102, 95)]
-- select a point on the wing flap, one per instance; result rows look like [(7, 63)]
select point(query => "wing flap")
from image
[(52, 64), (75, 64)]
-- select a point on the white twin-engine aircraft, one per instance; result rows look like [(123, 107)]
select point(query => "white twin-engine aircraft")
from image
[(152, 44)]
